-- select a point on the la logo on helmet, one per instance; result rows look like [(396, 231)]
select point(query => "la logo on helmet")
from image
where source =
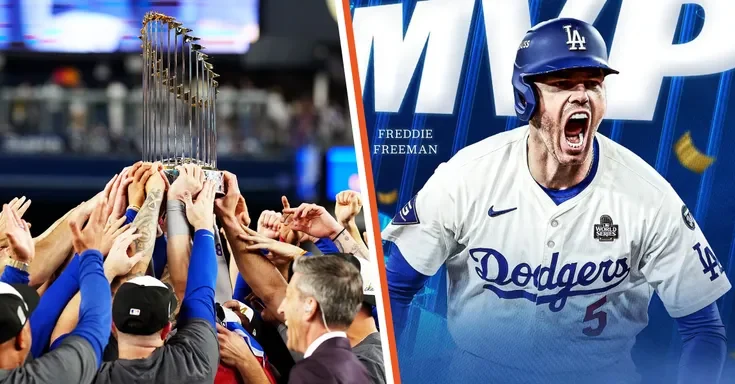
[(575, 41)]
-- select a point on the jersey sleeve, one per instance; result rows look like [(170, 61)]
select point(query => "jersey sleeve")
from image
[(678, 261), (74, 361), (425, 228), (193, 351)]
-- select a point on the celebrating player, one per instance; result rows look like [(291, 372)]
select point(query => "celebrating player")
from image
[(555, 237)]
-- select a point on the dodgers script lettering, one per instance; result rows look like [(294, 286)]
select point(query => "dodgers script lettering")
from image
[(508, 283), (642, 50)]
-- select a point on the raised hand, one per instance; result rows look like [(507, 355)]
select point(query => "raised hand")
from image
[(91, 236), (269, 224), (199, 212), (118, 195), (118, 263), (17, 205), (136, 189), (279, 253), (112, 230), (287, 233), (190, 179), (314, 220), (157, 181), (19, 236), (232, 205), (349, 204), (232, 347)]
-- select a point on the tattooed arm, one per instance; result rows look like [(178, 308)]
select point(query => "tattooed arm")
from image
[(146, 222), (346, 243)]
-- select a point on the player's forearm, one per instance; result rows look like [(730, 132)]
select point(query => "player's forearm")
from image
[(403, 284), (52, 248), (704, 346), (146, 221), (351, 227), (179, 245), (251, 372), (52, 304), (95, 315), (264, 279), (346, 243)]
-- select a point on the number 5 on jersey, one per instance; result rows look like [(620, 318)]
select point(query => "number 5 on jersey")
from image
[(709, 261), (600, 316)]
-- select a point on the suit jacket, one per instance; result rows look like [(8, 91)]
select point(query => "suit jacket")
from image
[(333, 362)]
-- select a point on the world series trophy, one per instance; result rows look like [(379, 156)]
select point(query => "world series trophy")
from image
[(179, 99)]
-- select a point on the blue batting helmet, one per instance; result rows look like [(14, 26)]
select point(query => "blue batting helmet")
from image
[(551, 46)]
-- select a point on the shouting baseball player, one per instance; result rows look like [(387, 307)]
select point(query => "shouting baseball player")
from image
[(555, 237)]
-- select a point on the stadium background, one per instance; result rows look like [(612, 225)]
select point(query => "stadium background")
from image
[(70, 98), (700, 105)]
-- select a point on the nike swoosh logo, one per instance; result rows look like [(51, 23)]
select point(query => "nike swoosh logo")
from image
[(493, 213)]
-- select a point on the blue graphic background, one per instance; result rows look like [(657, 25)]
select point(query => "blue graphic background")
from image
[(696, 104)]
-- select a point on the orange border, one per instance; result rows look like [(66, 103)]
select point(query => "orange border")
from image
[(371, 188)]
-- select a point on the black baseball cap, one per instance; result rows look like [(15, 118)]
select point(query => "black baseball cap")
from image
[(143, 306), (17, 302), (368, 289)]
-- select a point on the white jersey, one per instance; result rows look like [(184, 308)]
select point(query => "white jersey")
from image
[(541, 287)]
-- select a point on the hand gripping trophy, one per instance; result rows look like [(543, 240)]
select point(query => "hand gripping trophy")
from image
[(179, 93)]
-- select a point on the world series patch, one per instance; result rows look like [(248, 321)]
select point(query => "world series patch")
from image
[(407, 215), (606, 231), (688, 219)]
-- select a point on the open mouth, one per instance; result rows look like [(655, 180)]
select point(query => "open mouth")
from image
[(576, 128)]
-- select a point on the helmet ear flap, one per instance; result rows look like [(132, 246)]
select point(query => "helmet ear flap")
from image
[(521, 99)]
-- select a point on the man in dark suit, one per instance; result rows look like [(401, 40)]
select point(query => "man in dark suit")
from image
[(322, 299)]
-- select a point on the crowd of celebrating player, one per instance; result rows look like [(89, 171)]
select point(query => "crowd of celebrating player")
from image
[(158, 282)]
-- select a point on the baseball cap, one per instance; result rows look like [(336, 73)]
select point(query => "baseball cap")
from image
[(143, 306), (17, 302), (366, 271)]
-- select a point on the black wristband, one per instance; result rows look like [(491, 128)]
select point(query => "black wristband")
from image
[(339, 234)]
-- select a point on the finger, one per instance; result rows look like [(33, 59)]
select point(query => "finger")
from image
[(284, 201), (303, 207), (165, 179), (134, 168), (16, 218), (23, 208), (27, 226), (108, 186), (7, 213), (250, 231), (74, 227), (232, 304), (125, 240), (13, 202), (135, 259), (262, 219), (116, 184), (139, 171), (259, 246), (230, 181), (212, 191), (221, 329), (118, 228), (340, 197), (97, 216), (16, 203), (147, 174), (187, 200)]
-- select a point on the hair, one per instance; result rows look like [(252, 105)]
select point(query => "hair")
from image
[(335, 284)]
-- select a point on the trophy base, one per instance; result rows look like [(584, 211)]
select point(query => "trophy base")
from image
[(209, 174)]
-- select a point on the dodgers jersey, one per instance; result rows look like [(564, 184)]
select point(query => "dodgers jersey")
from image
[(546, 288)]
